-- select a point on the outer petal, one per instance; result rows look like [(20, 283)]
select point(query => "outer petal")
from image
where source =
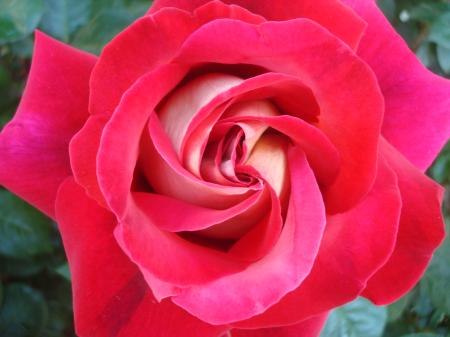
[(331, 14), (349, 111), (308, 328), (417, 118), (110, 296), (146, 44), (249, 292), (34, 145), (420, 233), (346, 259)]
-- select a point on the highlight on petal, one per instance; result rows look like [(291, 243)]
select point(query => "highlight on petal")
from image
[(346, 260), (421, 231), (110, 295), (34, 145), (417, 117)]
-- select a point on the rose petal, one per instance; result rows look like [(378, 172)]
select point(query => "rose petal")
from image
[(167, 176), (169, 258), (183, 104), (111, 299), (264, 282), (335, 16), (119, 147), (421, 231), (148, 43), (349, 111), (188, 217), (307, 328), (417, 117), (346, 259), (34, 145), (322, 154), (83, 155)]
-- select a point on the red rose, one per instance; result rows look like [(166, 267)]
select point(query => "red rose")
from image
[(249, 165)]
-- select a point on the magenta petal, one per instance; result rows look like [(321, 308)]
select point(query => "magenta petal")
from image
[(420, 233), (417, 117), (34, 146), (119, 146), (335, 16), (310, 327), (111, 299), (147, 44), (83, 155), (244, 294), (189, 217), (346, 259)]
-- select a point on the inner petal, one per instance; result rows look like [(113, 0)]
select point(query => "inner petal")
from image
[(181, 106), (269, 159)]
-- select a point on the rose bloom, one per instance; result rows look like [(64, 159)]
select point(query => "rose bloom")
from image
[(235, 168)]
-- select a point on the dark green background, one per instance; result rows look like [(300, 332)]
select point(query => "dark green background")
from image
[(34, 278)]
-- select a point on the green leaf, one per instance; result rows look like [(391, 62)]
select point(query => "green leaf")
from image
[(421, 335), (64, 271), (101, 29), (24, 231), (428, 11), (63, 17), (388, 7), (443, 56), (356, 319), (395, 310), (1, 294), (23, 313), (435, 283), (440, 31), (18, 18), (425, 54)]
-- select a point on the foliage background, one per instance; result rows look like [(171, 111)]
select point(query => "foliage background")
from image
[(35, 298)]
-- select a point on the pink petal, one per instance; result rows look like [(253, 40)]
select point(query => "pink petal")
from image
[(119, 147), (278, 87), (167, 176), (310, 327), (111, 299), (188, 217), (34, 145), (321, 153), (335, 16), (148, 43), (417, 117), (244, 294), (170, 259), (184, 103), (83, 155), (324, 64), (421, 231), (259, 240), (346, 259)]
